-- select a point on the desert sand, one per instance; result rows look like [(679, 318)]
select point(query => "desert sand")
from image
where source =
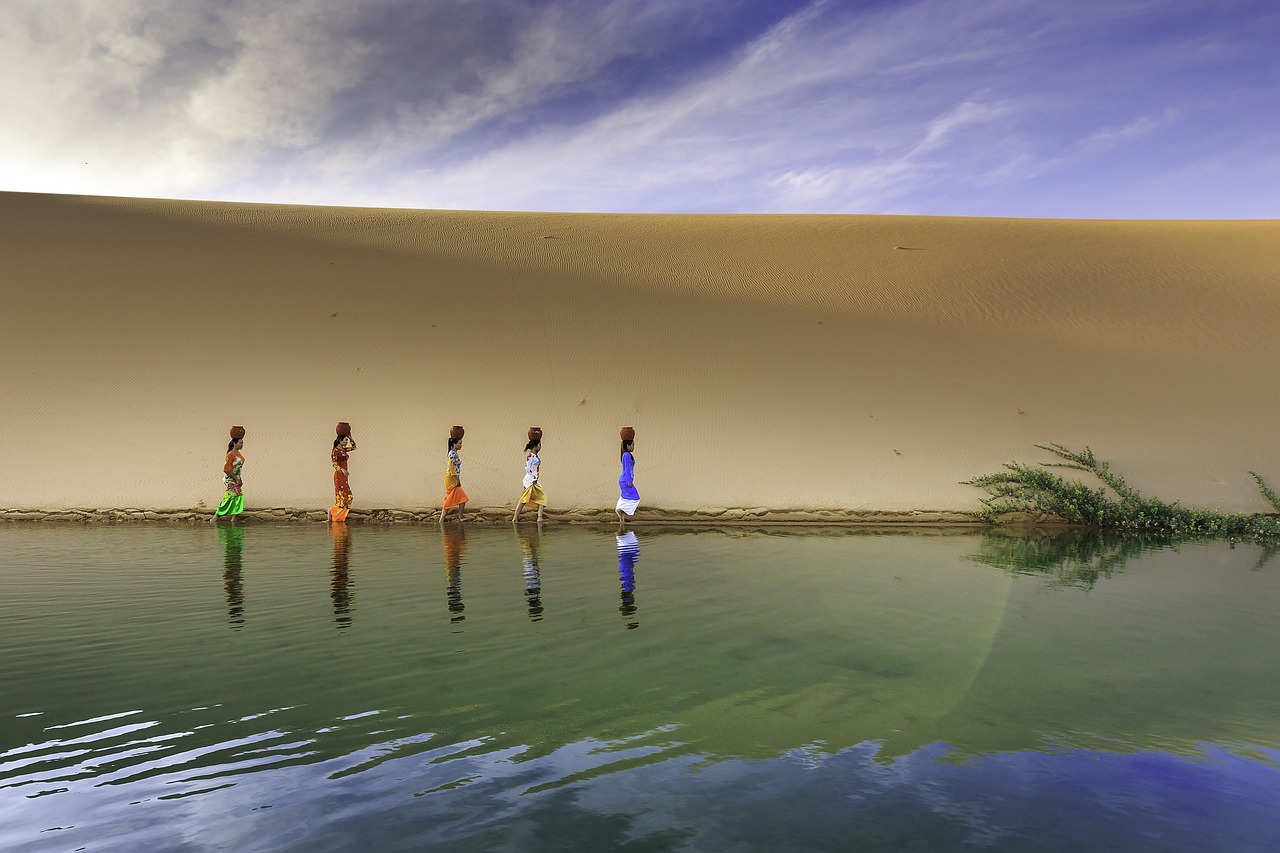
[(851, 363)]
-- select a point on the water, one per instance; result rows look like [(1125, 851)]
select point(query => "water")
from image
[(285, 688)]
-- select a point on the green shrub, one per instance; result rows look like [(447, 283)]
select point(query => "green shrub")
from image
[(1114, 505)]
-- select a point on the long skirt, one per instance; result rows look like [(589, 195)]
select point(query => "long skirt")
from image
[(534, 495), (453, 493), (627, 505), (232, 502), (342, 498)]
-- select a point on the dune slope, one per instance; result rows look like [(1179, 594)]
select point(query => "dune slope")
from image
[(854, 362)]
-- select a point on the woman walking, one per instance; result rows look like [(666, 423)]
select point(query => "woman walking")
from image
[(233, 498), (453, 493), (629, 498), (343, 446), (533, 493)]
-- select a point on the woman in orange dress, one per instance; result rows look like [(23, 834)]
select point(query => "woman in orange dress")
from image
[(453, 493), (343, 445)]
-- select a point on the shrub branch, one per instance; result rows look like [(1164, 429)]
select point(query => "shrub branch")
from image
[(1115, 505)]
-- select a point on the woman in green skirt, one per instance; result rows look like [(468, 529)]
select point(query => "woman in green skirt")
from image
[(233, 498)]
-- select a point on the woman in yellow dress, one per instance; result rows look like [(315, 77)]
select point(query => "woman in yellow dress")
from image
[(453, 493), (533, 493)]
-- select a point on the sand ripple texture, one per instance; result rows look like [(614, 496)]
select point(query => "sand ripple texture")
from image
[(788, 362)]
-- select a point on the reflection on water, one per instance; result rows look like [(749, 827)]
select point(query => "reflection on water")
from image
[(1074, 557), (530, 549), (628, 554), (340, 578), (455, 553), (232, 539), (1082, 557), (817, 691)]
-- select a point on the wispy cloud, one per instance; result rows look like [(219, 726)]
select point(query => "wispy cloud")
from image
[(923, 106), (1109, 137)]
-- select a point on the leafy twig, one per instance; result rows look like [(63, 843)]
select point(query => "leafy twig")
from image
[(1025, 489)]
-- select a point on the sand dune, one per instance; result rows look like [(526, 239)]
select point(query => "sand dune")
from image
[(789, 362)]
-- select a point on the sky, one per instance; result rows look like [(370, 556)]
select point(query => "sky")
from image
[(1113, 109)]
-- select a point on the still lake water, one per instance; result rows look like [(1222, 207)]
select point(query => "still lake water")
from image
[(291, 688)]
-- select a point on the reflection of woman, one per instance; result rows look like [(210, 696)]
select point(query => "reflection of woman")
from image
[(233, 498), (342, 499), (628, 554), (340, 578), (533, 493), (629, 498), (232, 539), (455, 548), (453, 493), (530, 545)]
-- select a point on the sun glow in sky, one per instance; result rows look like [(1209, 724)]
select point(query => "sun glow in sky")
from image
[(1075, 108)]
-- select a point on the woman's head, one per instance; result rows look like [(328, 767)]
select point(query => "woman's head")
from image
[(455, 443), (235, 444), (342, 441), (628, 445), (534, 445)]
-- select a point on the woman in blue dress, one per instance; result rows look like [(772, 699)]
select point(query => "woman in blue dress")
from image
[(629, 498)]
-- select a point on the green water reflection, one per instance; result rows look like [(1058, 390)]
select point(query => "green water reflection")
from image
[(1082, 557), (241, 652)]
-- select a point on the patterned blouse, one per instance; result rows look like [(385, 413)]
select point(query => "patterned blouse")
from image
[(231, 471)]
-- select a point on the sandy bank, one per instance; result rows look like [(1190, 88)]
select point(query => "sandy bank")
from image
[(838, 363), (653, 519)]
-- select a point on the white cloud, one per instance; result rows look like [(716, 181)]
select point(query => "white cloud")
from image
[(1141, 126), (89, 110), (577, 104), (774, 129), (291, 61), (964, 115)]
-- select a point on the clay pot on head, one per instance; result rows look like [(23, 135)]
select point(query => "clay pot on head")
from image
[(343, 428), (457, 432), (237, 432), (627, 433), (535, 433)]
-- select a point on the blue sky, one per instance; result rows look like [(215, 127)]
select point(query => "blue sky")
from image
[(1073, 108)]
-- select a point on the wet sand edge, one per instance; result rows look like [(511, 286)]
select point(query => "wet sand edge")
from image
[(649, 517)]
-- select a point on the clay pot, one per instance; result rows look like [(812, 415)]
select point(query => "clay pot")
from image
[(535, 433), (627, 433), (343, 428), (457, 432), (237, 432)]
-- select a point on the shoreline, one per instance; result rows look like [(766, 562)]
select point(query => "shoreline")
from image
[(489, 516)]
